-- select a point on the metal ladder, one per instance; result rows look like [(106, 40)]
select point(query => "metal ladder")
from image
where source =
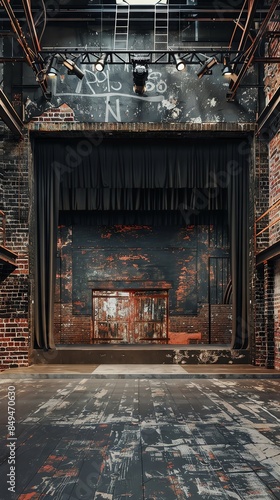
[(161, 24), (121, 27)]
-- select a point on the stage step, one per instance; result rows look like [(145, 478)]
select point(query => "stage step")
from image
[(167, 354)]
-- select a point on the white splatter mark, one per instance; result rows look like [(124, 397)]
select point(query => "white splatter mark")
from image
[(101, 394), (212, 102), (196, 120)]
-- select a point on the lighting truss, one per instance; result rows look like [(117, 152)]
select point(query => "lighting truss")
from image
[(128, 57), (197, 56)]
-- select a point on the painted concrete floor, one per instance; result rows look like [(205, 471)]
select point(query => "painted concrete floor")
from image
[(141, 438)]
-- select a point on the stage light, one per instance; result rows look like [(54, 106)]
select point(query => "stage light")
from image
[(50, 69), (227, 67), (73, 68), (52, 72), (100, 63), (140, 72), (226, 71), (206, 68), (180, 63), (140, 75)]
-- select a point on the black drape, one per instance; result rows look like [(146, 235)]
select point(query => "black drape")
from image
[(128, 175), (238, 201), (47, 181)]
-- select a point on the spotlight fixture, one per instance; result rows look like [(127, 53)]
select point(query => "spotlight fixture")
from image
[(50, 68), (226, 71), (206, 68), (227, 68), (140, 73), (180, 63), (73, 68), (52, 72), (100, 63)]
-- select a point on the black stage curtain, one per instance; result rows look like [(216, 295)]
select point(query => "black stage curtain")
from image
[(46, 181), (189, 176)]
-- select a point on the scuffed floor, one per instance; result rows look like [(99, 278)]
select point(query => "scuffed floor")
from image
[(143, 439)]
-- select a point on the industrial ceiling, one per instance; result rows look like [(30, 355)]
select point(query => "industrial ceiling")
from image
[(240, 29)]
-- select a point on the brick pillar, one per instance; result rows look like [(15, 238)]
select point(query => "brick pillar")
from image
[(261, 192), (269, 313), (14, 284), (263, 345), (259, 340), (260, 195), (277, 313)]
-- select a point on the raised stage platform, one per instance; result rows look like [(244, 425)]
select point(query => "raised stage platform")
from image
[(141, 354)]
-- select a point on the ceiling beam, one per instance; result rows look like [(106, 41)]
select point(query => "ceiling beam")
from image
[(193, 56), (32, 57), (248, 57), (10, 116), (252, 7), (31, 26), (269, 119)]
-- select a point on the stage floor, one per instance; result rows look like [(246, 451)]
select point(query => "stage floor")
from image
[(140, 371), (140, 439)]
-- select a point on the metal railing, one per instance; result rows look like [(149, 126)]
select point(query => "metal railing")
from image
[(274, 218)]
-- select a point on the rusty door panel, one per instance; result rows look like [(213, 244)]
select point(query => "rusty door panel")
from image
[(130, 317)]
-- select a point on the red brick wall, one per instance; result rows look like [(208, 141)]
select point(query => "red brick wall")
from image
[(71, 329), (277, 313), (77, 328), (274, 163), (272, 70), (274, 187), (14, 283), (221, 324), (272, 84), (54, 115)]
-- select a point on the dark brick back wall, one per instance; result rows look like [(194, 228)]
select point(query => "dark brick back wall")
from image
[(14, 283), (219, 331), (260, 198), (106, 254)]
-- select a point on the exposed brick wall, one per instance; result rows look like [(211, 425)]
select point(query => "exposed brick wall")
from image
[(221, 324), (272, 70), (274, 187), (269, 312), (261, 191), (53, 115), (1, 171), (73, 328), (260, 198), (258, 340), (274, 163), (271, 283), (277, 313), (14, 284)]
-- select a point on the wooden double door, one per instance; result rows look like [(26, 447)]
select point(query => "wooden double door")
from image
[(130, 317)]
